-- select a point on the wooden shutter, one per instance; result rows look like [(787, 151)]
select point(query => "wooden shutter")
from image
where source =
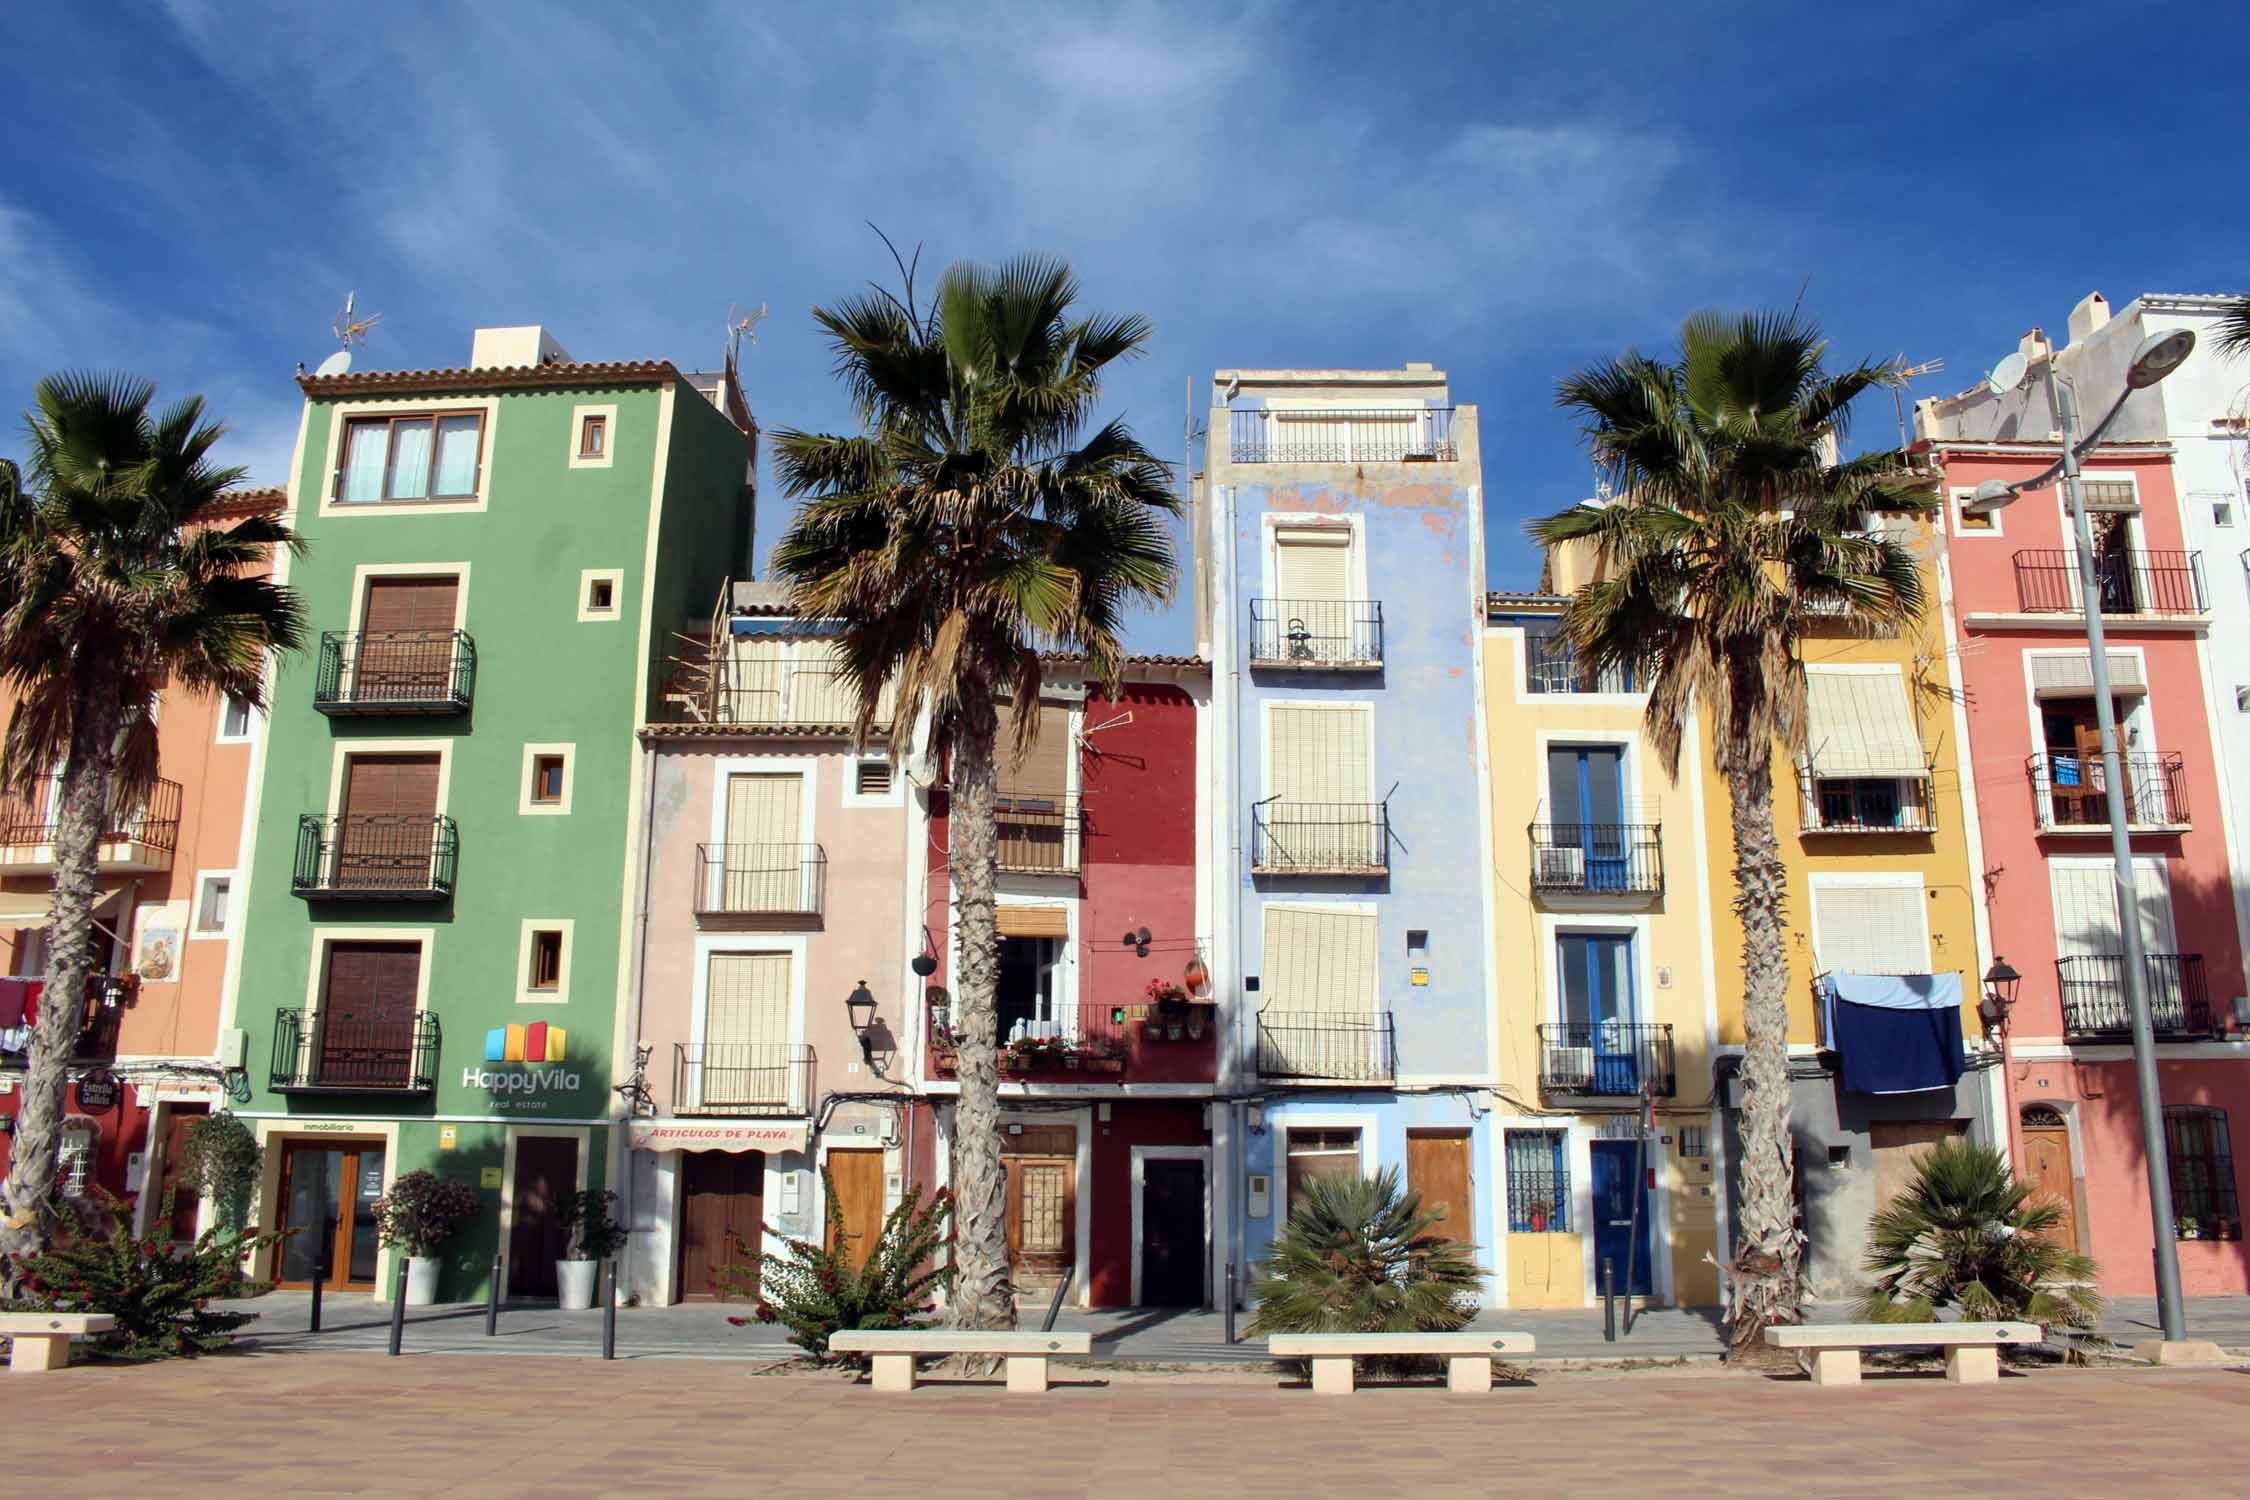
[(410, 604), (1319, 961), (391, 786), (1320, 754), (372, 981), (1043, 775), (1870, 929), (747, 1001), (1034, 921), (1312, 565)]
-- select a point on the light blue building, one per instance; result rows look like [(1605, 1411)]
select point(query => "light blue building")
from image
[(1340, 573)]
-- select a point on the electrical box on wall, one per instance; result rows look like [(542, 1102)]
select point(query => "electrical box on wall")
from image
[(136, 1171), (1259, 1198)]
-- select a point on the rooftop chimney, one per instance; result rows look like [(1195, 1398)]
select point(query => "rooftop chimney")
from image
[(2088, 316), (507, 348)]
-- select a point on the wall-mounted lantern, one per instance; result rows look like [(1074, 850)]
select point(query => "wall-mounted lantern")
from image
[(860, 1006)]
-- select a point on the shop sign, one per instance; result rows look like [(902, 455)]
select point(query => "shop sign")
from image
[(97, 1092), (530, 1062), (716, 1135)]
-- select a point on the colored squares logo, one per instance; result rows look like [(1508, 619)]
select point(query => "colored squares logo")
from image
[(538, 1043)]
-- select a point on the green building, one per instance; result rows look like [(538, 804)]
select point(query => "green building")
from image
[(438, 871)]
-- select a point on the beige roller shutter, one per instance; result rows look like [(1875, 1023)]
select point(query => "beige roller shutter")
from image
[(1870, 929), (765, 809), (1312, 566), (1319, 961), (2086, 909), (1861, 724), (1034, 921), (1043, 775), (756, 680), (747, 1002), (1320, 754)]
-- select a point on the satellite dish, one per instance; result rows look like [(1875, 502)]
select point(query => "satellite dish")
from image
[(2007, 376), (335, 364)]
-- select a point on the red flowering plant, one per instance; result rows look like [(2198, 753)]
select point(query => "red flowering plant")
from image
[(813, 1288), (1166, 992)]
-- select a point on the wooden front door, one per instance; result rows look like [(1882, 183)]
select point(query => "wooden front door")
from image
[(389, 832), (328, 1193), (367, 1015), (722, 1220), (185, 1202), (546, 1171), (1172, 1232), (406, 640), (1899, 1147), (2046, 1170), (1042, 1162), (856, 1178), (1437, 1167)]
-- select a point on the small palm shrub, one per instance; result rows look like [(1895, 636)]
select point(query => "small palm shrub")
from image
[(1357, 1257), (1965, 1237), (814, 1290), (161, 1301)]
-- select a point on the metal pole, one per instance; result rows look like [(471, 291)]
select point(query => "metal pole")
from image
[(2173, 1312), (1230, 1302), (320, 1276), (492, 1300), (1633, 1230), (1609, 1300), (398, 1305), (609, 1314)]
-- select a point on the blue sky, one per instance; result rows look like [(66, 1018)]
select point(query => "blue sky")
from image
[(1506, 190)]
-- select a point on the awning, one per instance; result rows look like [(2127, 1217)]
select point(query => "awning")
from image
[(26, 908), (2072, 676), (1034, 921), (716, 1135), (1860, 724)]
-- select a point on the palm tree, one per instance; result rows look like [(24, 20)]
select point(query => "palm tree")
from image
[(969, 526), (2234, 326), (1357, 1256), (1966, 1236), (1731, 528), (116, 579)]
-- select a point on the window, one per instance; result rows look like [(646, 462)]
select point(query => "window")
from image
[(546, 778), (872, 778), (601, 595), (2204, 1206), (1320, 961), (598, 593), (1973, 521), (546, 961), (2222, 513), (744, 1055), (2242, 698), (234, 719), (1695, 1142), (213, 895), (1858, 802), (1870, 929), (1864, 764), (1315, 1154), (430, 457), (74, 1161), (1538, 1182), (593, 436)]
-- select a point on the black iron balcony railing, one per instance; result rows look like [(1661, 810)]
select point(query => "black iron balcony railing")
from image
[(1605, 1059), (1868, 804), (32, 821), (2094, 1004), (318, 1053), (426, 672), (2071, 791), (1551, 666), (742, 1078), (1037, 836), (354, 857), (781, 880), (1320, 838), (1316, 633), (107, 995), (1598, 859), (2125, 583), (1338, 1047), (1325, 435)]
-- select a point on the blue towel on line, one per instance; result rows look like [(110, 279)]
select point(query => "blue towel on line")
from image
[(1896, 1034)]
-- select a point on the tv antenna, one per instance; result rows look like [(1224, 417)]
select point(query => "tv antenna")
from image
[(1898, 383), (742, 329), (350, 330)]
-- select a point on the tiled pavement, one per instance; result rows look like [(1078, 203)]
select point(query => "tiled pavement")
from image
[(338, 1424)]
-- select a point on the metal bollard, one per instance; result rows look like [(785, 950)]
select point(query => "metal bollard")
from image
[(1609, 1300), (320, 1275), (609, 1316), (1230, 1302), (398, 1306), (492, 1300)]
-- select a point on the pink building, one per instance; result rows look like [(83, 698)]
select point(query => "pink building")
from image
[(2016, 613)]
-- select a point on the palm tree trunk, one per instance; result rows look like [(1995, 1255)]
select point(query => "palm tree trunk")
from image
[(31, 1213), (1768, 1249), (982, 1295)]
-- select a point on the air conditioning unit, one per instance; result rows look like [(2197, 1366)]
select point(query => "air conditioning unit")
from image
[(1560, 866), (1568, 1067)]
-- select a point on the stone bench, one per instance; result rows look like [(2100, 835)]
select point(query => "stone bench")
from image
[(892, 1351), (42, 1339), (1468, 1354), (1972, 1350)]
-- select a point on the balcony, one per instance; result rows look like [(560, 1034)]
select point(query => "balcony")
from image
[(141, 842), (1037, 836), (1336, 435), (1320, 838), (2094, 1005), (107, 996), (427, 673), (1551, 666), (1327, 1047), (785, 881), (1172, 1042), (764, 692), (2125, 583), (1605, 1059), (316, 1054), (1597, 859), (407, 857), (742, 1078), (1317, 635), (1867, 804), (2069, 792)]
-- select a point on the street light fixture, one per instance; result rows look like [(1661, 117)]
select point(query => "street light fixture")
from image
[(2001, 982), (2159, 355), (860, 1006)]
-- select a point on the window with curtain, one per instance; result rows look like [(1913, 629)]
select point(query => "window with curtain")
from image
[(2204, 1204), (1538, 1182), (428, 457)]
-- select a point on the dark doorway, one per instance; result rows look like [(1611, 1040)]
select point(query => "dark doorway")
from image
[(1172, 1244), (1621, 1214), (546, 1170), (722, 1218)]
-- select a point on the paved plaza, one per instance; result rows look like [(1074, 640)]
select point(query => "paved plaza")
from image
[(320, 1424)]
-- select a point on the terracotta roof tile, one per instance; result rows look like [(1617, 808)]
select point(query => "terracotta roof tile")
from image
[(570, 376)]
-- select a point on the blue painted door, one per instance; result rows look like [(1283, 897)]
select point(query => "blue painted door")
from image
[(1620, 1234), (1597, 995), (1586, 798)]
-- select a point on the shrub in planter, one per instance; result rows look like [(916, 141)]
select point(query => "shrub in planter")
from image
[(421, 1212), (813, 1290), (220, 1161), (589, 1218), (1357, 1257), (161, 1301)]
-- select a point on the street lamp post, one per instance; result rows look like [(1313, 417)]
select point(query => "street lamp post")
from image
[(2157, 357)]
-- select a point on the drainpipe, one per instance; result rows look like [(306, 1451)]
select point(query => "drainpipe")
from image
[(640, 1002), (1232, 946)]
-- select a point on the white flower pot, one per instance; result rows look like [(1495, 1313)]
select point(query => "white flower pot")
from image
[(421, 1280), (577, 1279)]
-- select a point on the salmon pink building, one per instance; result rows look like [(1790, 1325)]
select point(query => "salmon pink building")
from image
[(2016, 610)]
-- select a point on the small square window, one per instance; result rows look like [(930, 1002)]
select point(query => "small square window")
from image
[(1695, 1141), (593, 436), (601, 595), (2222, 513), (211, 903), (2242, 698), (234, 719), (547, 778), (546, 961), (1975, 520)]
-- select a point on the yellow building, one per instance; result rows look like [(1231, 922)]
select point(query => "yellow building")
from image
[(1603, 937)]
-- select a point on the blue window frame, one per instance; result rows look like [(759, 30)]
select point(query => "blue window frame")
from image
[(1586, 802), (1538, 1182), (1598, 1006)]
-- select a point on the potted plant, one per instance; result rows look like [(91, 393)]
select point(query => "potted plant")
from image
[(417, 1215), (1539, 1214), (589, 1218)]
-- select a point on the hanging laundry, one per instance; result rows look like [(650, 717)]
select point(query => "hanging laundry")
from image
[(1896, 1033)]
